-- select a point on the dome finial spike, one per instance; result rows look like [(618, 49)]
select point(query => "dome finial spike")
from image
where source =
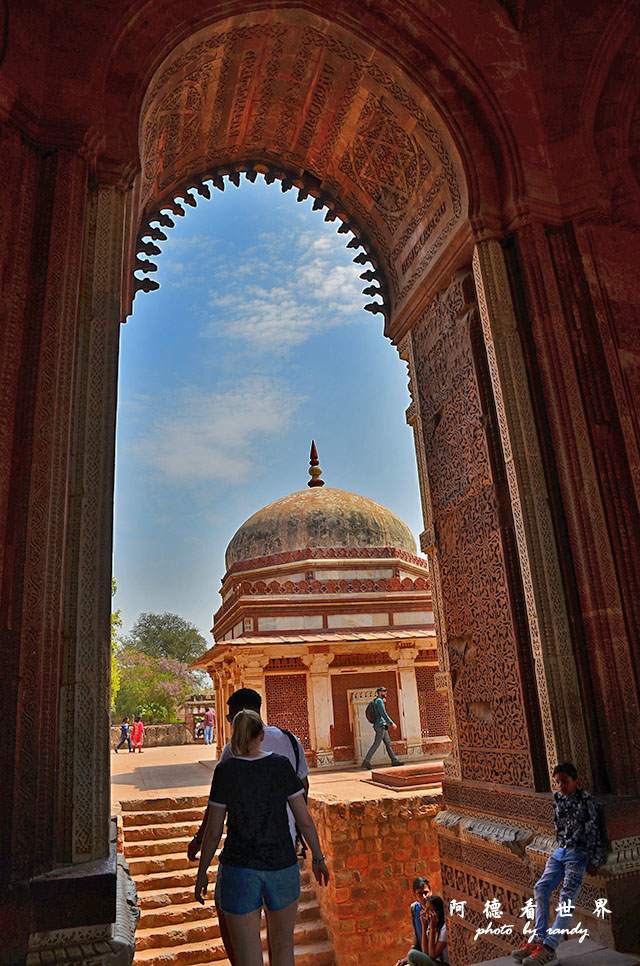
[(315, 470)]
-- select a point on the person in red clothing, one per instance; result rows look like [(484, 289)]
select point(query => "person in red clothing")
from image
[(137, 734)]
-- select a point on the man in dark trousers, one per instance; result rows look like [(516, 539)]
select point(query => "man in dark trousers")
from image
[(381, 725)]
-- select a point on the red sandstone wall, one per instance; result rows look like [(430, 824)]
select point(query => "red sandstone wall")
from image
[(374, 851)]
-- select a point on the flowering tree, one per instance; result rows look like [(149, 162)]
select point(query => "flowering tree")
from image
[(152, 686), (116, 622)]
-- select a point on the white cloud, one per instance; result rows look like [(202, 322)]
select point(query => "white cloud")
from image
[(316, 292), (206, 437)]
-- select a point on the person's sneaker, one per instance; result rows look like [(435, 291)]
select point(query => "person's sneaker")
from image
[(540, 956), (396, 762), (366, 765), (523, 951)]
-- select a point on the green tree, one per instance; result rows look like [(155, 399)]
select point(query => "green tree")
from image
[(152, 686), (116, 623), (166, 635)]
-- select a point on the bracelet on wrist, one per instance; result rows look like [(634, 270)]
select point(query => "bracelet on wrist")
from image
[(317, 861)]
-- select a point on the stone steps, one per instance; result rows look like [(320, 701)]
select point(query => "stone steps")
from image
[(185, 933), (153, 847), (166, 817), (180, 895), (174, 929), (169, 830), (318, 953)]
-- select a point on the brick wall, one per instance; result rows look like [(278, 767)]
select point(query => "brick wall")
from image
[(374, 851)]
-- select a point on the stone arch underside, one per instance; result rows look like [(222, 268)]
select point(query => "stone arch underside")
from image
[(325, 113)]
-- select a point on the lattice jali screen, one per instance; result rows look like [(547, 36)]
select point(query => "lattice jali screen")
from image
[(434, 711), (287, 707)]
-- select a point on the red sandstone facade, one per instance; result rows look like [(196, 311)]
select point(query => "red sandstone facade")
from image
[(486, 159)]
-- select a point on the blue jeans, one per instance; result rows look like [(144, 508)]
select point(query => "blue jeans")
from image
[(208, 734), (568, 866), (382, 734)]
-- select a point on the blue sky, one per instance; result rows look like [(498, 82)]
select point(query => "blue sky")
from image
[(256, 342)]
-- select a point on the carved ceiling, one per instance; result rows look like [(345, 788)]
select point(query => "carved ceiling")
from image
[(310, 104)]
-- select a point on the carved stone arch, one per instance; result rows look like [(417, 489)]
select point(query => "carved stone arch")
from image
[(446, 73), (611, 110), (162, 216), (318, 106)]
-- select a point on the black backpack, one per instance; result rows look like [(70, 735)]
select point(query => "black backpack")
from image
[(301, 845), (369, 713)]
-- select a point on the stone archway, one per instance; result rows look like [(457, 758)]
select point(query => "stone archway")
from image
[(393, 124)]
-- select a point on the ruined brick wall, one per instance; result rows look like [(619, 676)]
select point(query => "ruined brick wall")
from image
[(156, 736), (374, 851)]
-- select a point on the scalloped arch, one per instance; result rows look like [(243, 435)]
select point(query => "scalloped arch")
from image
[(303, 101)]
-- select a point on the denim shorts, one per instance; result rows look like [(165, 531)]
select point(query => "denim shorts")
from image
[(240, 891)]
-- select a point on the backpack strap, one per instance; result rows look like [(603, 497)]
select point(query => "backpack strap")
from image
[(294, 745)]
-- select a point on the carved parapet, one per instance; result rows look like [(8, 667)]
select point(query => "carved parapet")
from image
[(500, 836), (623, 859), (541, 847)]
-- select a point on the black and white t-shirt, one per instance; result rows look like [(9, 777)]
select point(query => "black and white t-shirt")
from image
[(255, 792)]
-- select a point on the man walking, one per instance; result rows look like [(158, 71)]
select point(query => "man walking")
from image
[(209, 725), (381, 724)]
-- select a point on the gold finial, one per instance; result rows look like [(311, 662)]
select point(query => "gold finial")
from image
[(315, 470)]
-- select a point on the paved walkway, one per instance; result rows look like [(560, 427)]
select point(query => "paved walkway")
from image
[(187, 769)]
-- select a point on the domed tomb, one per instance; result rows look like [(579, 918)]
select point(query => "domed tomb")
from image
[(318, 517)]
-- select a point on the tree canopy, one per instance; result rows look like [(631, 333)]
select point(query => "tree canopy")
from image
[(152, 686), (166, 636), (116, 622)]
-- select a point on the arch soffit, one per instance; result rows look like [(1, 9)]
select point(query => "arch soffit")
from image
[(322, 111), (476, 103), (610, 110)]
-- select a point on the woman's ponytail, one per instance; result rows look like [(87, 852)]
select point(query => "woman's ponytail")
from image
[(247, 725)]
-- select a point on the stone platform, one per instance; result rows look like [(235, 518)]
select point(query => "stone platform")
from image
[(575, 953), (423, 775)]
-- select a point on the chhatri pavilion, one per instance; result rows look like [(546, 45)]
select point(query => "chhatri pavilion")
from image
[(323, 600)]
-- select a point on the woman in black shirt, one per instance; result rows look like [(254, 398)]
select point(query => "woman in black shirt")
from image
[(258, 864)]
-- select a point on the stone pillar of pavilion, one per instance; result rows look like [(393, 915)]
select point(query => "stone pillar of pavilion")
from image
[(406, 658)]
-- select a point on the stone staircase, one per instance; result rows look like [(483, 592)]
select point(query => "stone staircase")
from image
[(174, 929)]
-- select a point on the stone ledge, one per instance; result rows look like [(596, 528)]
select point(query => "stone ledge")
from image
[(575, 953), (499, 835)]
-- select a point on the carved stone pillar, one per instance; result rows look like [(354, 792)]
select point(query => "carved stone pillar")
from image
[(251, 672), (549, 632), (570, 323), (484, 653), (322, 707), (443, 679), (63, 274), (409, 707)]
